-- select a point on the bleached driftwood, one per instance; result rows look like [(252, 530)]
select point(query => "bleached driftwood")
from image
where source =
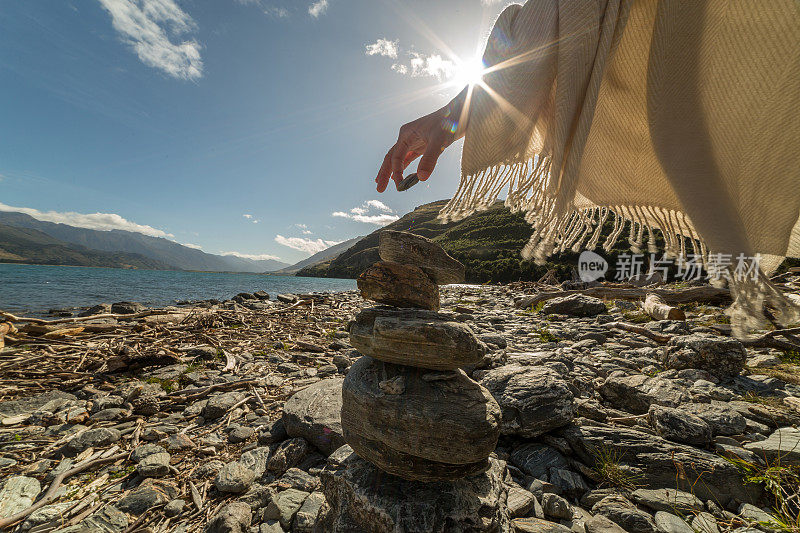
[(655, 306), (704, 294)]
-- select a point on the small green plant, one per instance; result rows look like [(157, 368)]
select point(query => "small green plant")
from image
[(782, 484), (636, 317), (791, 357), (608, 469), (167, 385), (772, 401), (546, 336)]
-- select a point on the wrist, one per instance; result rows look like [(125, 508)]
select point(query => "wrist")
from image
[(454, 116)]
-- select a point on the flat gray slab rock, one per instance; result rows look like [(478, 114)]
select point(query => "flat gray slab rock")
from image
[(17, 494), (574, 305), (425, 339), (635, 393), (362, 498), (783, 444), (679, 426), (720, 356), (399, 285), (409, 249), (314, 414), (534, 400), (651, 462), (418, 424)]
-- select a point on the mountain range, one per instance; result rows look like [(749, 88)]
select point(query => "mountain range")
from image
[(157, 252)]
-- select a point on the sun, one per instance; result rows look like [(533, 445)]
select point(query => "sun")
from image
[(468, 72)]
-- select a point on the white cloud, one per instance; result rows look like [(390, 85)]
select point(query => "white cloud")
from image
[(433, 66), (380, 206), (310, 246), (383, 47), (254, 257), (193, 246), (318, 8), (385, 214), (247, 216), (277, 12), (98, 221), (400, 69), (148, 26)]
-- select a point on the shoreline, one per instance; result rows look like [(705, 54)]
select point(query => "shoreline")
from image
[(207, 390)]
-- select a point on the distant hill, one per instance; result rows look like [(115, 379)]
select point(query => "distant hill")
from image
[(163, 251), (325, 255), (25, 245), (488, 243)]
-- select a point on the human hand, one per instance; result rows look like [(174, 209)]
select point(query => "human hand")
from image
[(428, 137)]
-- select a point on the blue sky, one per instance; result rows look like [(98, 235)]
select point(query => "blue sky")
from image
[(233, 125)]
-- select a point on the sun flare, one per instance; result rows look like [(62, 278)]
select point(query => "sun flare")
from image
[(468, 72)]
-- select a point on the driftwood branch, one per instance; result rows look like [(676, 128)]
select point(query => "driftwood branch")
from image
[(655, 306), (51, 491), (14, 318), (644, 332), (705, 293)]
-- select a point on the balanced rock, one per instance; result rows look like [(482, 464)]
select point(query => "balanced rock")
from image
[(416, 338), (399, 285), (362, 498), (426, 426), (409, 249)]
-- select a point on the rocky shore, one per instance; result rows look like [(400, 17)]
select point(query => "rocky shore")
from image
[(225, 417)]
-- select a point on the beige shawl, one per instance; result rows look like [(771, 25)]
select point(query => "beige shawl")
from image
[(681, 115)]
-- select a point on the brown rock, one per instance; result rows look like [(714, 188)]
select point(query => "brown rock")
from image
[(437, 426), (399, 285), (409, 249), (415, 337)]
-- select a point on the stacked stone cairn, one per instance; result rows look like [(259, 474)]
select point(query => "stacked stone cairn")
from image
[(407, 406)]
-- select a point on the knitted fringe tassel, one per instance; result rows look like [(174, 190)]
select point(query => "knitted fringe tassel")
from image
[(562, 227)]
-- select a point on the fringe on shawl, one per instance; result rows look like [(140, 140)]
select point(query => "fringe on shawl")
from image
[(575, 229)]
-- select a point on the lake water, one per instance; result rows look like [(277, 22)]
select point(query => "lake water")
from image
[(33, 289)]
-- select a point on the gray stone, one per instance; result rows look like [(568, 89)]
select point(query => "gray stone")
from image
[(234, 477), (175, 507), (306, 517), (763, 360), (17, 494), (537, 525), (570, 483), (240, 434), (722, 419), (363, 498), (758, 517), (555, 506), (783, 445), (108, 519), (285, 505), (127, 308), (533, 400), (407, 248), (574, 305), (233, 518), (671, 500), (601, 524), (220, 404), (425, 339), (275, 432), (621, 511), (91, 438), (270, 526), (705, 523), (520, 502), (443, 425), (294, 478), (314, 414), (651, 461), (46, 514), (398, 285), (637, 392), (141, 499), (720, 356), (669, 523), (288, 454), (679, 426), (536, 459), (154, 465)]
